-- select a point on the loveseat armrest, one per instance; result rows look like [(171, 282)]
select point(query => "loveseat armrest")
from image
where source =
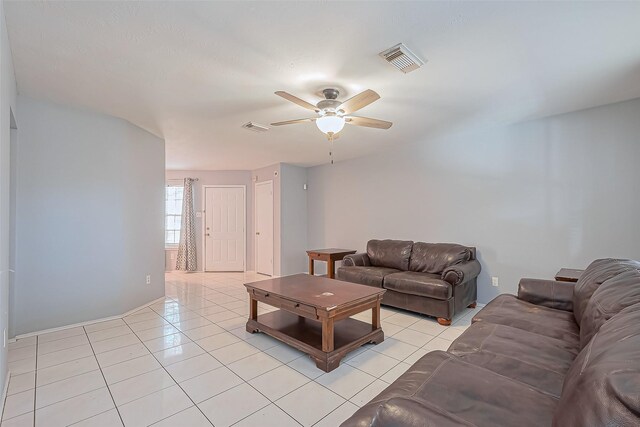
[(547, 293), (361, 260), (461, 273)]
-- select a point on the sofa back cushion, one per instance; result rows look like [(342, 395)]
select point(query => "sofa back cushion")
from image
[(601, 387), (596, 273), (390, 253), (608, 300), (434, 258)]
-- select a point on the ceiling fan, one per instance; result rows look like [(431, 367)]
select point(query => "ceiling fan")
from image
[(333, 114)]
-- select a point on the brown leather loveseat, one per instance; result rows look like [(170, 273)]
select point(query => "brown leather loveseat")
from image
[(436, 279), (558, 354)]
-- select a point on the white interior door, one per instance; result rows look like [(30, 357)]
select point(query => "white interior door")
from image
[(224, 228), (264, 227)]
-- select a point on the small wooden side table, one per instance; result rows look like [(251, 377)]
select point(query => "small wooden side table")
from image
[(568, 275), (330, 256)]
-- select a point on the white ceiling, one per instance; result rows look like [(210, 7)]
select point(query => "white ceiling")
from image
[(194, 72)]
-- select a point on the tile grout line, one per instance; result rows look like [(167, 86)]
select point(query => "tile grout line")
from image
[(348, 401), (35, 383), (66, 378), (6, 394), (4, 404), (85, 419), (105, 382), (174, 380)]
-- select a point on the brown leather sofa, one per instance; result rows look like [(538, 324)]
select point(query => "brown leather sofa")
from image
[(436, 279), (559, 354)]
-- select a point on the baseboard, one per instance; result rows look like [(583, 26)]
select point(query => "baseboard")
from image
[(4, 392), (130, 312), (203, 271), (89, 322), (185, 271)]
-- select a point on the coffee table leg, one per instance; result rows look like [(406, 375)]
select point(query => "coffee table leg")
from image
[(253, 309), (327, 334), (331, 267), (375, 316)]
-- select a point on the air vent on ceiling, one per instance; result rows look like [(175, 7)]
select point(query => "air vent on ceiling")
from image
[(402, 58), (255, 127)]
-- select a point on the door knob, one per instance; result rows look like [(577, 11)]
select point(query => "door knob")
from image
[(257, 233), (208, 234)]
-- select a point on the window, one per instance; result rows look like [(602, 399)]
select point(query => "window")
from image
[(173, 215)]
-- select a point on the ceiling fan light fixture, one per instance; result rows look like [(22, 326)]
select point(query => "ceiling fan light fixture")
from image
[(330, 124)]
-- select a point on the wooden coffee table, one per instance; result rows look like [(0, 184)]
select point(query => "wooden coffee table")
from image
[(314, 315)]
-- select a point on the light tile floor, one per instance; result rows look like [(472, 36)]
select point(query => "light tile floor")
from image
[(188, 361)]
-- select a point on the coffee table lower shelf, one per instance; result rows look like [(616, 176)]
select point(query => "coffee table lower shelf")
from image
[(306, 335)]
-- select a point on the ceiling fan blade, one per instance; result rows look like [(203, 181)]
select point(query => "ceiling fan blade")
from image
[(297, 100), (370, 123), (359, 101), (291, 122)]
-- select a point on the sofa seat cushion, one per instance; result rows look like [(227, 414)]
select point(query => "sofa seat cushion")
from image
[(423, 284), (450, 391), (371, 276), (510, 311), (434, 258), (533, 359)]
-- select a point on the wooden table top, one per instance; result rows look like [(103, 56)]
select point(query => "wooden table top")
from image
[(316, 291), (331, 251), (569, 274)]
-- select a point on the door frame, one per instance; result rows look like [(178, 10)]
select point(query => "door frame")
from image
[(204, 223), (255, 223)]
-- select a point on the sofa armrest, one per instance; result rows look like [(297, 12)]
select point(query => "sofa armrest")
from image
[(356, 260), (547, 293), (405, 412), (461, 273)]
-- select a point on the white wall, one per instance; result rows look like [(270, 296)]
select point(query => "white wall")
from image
[(7, 105), (293, 220), (90, 205), (217, 178), (532, 197)]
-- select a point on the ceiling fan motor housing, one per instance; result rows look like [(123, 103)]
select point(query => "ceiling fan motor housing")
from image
[(331, 93), (330, 104)]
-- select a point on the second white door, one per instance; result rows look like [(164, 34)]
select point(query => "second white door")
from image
[(264, 227), (224, 228)]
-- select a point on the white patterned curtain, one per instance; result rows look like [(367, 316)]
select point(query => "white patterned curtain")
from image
[(186, 260)]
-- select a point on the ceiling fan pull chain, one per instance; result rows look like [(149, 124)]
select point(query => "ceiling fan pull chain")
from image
[(331, 147)]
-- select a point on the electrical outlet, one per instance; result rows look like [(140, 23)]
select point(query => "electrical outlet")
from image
[(148, 279), (494, 281)]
